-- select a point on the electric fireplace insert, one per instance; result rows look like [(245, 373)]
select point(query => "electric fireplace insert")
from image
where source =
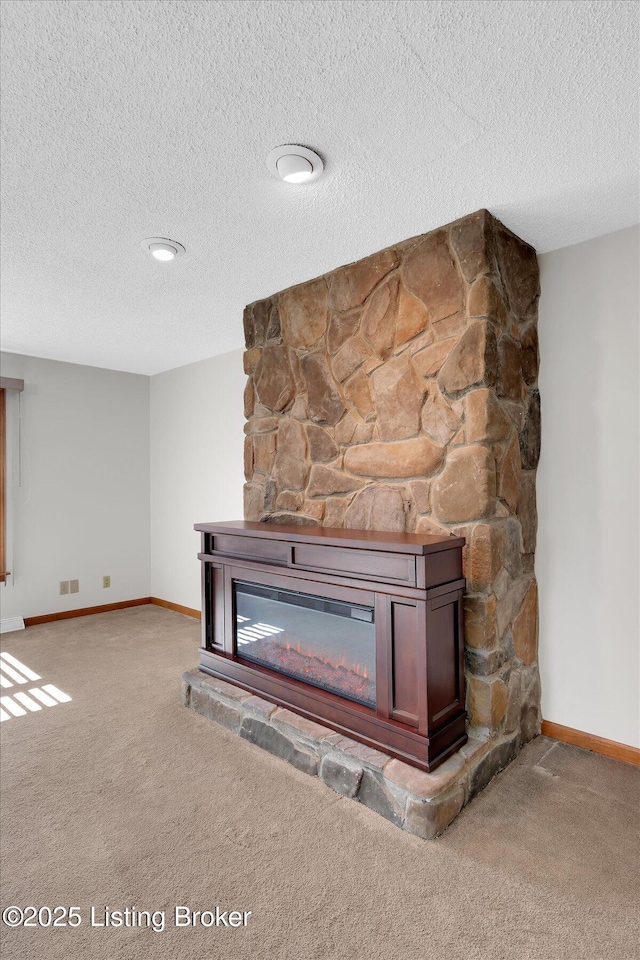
[(359, 631)]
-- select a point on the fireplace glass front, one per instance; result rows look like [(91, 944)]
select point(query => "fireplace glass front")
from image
[(327, 643)]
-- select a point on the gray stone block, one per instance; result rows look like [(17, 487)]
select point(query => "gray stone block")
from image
[(265, 736), (228, 715), (263, 708), (341, 775), (428, 818), (495, 760), (185, 693), (378, 794)]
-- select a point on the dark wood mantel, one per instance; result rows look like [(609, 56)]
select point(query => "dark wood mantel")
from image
[(414, 583)]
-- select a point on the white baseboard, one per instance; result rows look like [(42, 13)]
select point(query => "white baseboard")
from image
[(11, 623)]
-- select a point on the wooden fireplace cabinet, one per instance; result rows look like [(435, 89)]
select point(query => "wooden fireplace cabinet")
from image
[(414, 584)]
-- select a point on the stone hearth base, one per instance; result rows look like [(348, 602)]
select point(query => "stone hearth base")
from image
[(420, 803)]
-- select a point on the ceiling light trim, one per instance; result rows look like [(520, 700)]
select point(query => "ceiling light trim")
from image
[(294, 150), (150, 242)]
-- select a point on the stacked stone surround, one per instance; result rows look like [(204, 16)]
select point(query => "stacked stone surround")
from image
[(400, 393), (420, 803)]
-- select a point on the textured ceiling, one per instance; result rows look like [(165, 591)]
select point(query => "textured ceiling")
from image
[(127, 119)]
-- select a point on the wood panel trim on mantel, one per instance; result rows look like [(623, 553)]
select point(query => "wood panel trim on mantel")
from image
[(588, 741)]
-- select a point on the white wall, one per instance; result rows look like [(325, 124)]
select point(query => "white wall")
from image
[(587, 557), (197, 419), (82, 509)]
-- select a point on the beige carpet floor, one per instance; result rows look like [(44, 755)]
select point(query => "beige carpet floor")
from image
[(123, 798)]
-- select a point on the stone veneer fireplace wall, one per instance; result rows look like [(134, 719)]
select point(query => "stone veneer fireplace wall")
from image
[(400, 393)]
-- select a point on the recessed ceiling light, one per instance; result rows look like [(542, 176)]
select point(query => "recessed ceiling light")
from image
[(294, 164), (163, 249)]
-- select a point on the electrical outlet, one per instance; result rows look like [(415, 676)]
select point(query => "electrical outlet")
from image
[(106, 581), (64, 587), (74, 586)]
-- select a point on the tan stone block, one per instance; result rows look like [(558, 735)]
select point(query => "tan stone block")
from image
[(479, 621), (261, 411), (291, 467), (515, 411), (429, 361), (291, 519), (397, 394), (472, 362), (509, 605), (469, 240), (299, 410), (487, 701), (371, 364), (249, 398), (313, 508), (261, 424), (430, 274), (248, 458), (420, 493), (458, 439), (421, 341), (351, 285), (377, 507), (273, 378), (438, 420), (486, 554), (324, 400), (421, 784), (327, 481), (412, 318), (349, 357), (458, 407), (418, 457), (264, 451), (484, 300), (357, 393), (484, 417), (296, 370), (378, 325), (513, 548), (509, 474), (322, 446), (253, 495), (334, 511), (250, 359), (427, 526), (525, 627), (289, 501), (466, 488), (340, 329), (453, 326), (510, 382), (349, 430), (303, 313)]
